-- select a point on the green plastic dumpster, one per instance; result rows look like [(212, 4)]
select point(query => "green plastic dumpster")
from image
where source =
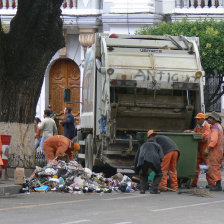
[(188, 145)]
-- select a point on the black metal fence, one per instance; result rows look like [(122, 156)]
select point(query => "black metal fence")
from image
[(211, 84), (27, 161)]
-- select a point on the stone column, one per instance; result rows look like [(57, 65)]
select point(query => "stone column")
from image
[(199, 4), (4, 3), (87, 38), (213, 3), (206, 3)]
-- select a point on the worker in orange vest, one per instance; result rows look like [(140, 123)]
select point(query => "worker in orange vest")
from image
[(215, 152), (171, 154), (58, 145), (203, 128)]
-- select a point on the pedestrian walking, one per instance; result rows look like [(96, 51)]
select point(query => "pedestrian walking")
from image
[(68, 123), (169, 164), (48, 126), (59, 145), (202, 127), (215, 152), (147, 159)]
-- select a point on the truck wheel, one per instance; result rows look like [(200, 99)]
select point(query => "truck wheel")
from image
[(110, 171), (89, 152)]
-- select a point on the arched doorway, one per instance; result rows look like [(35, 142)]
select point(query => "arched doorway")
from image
[(64, 73)]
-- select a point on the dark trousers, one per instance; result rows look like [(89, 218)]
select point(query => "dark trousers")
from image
[(144, 173)]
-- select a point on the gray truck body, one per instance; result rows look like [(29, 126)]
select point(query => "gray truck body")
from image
[(135, 83)]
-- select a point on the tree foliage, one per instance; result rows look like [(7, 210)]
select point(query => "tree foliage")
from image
[(211, 36)]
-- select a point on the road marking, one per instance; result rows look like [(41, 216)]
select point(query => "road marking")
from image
[(120, 198), (78, 221), (186, 206), (40, 205), (123, 223)]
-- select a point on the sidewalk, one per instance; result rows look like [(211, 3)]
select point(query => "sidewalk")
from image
[(8, 187)]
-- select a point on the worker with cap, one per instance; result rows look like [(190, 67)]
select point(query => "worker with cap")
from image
[(59, 145), (215, 152), (147, 159), (203, 128), (169, 164)]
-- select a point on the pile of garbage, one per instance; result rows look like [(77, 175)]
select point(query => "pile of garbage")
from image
[(73, 178)]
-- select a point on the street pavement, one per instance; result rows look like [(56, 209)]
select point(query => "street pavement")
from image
[(115, 208), (8, 187), (112, 208)]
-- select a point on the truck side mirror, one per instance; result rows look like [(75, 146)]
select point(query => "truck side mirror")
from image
[(67, 95)]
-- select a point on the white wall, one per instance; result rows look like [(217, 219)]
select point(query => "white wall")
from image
[(73, 53), (122, 29)]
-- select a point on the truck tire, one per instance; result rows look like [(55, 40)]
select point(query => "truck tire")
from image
[(110, 171), (89, 152)]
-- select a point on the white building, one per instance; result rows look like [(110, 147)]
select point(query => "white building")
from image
[(82, 18)]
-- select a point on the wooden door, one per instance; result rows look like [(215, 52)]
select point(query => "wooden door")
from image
[(64, 73)]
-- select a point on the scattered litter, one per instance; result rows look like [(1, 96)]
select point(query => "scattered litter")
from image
[(71, 177), (43, 188)]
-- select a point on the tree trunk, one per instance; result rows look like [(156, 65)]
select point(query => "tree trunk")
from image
[(34, 36)]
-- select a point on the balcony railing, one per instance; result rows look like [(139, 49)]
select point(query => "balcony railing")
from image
[(199, 7), (8, 4), (196, 4), (12, 4), (70, 9)]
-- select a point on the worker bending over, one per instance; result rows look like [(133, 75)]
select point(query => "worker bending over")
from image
[(215, 152), (202, 127), (149, 157), (169, 164), (59, 145)]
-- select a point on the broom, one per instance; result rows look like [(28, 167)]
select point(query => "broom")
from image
[(195, 192)]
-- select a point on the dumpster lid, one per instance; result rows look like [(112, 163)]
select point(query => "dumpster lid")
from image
[(196, 136)]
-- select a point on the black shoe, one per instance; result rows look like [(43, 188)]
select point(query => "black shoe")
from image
[(208, 186), (155, 192), (142, 192), (217, 187)]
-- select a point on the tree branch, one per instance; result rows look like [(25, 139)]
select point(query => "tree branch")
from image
[(35, 30)]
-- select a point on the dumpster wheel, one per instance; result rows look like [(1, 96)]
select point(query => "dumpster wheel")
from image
[(184, 183)]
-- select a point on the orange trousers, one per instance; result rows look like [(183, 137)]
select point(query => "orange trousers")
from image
[(169, 165), (214, 162)]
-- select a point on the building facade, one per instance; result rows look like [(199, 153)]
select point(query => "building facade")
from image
[(83, 18)]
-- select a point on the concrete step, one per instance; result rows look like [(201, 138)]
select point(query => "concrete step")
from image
[(8, 187)]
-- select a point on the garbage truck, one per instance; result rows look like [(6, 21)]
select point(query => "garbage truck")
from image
[(133, 83)]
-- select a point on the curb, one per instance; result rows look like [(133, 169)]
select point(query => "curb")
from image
[(8, 187)]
